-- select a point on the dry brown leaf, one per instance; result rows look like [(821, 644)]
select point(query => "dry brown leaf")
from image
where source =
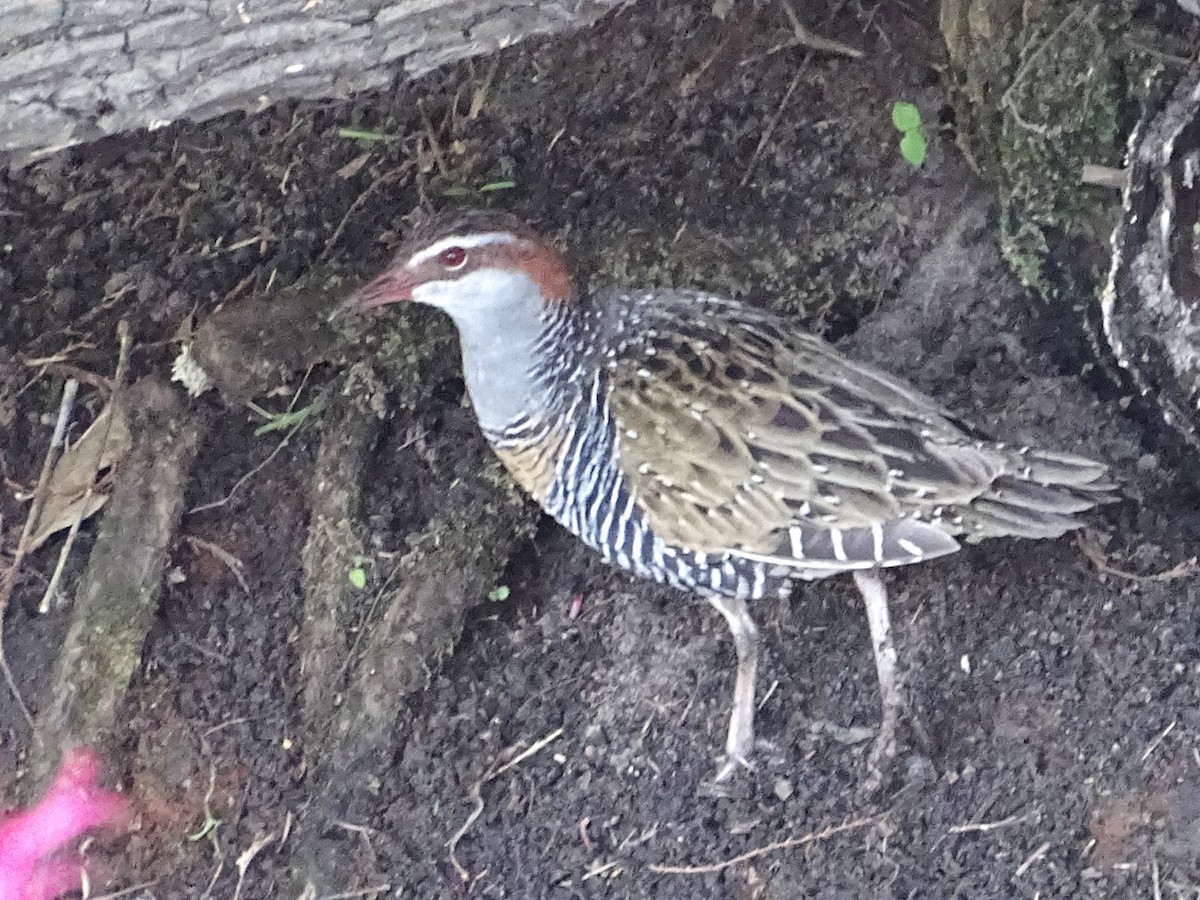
[(67, 490)]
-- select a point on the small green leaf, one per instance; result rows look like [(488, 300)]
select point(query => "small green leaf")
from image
[(288, 419), (465, 190), (358, 578), (912, 148), (905, 117), (357, 135), (498, 594), (207, 828)]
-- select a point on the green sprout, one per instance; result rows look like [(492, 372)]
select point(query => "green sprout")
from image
[(370, 136), (499, 593), (208, 829), (292, 418), (358, 573), (463, 190), (907, 119)]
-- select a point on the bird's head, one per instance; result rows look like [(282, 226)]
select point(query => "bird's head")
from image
[(479, 268)]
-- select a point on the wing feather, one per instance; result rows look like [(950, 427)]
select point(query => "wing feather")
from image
[(740, 436)]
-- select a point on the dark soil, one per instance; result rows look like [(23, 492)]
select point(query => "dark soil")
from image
[(1054, 753)]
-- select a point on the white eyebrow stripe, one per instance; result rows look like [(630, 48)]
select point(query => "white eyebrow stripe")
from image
[(466, 241)]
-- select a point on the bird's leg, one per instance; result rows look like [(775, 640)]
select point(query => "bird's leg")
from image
[(740, 741), (891, 687)]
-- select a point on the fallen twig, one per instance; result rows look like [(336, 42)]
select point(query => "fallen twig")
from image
[(982, 827), (65, 406), (1158, 740), (362, 892), (687, 84), (64, 369), (806, 38), (236, 567), (386, 178), (770, 130), (125, 892), (809, 838), (803, 37), (1087, 542), (247, 857), (477, 795), (237, 486), (1031, 859), (986, 826), (1006, 99)]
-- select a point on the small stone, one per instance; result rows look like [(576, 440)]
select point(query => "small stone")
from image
[(63, 302), (919, 771), (116, 283), (783, 789)]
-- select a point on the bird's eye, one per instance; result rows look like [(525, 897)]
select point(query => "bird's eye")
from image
[(453, 257)]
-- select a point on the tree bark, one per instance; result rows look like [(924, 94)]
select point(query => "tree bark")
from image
[(77, 70), (1151, 304)]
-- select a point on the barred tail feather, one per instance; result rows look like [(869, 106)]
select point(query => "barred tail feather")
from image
[(815, 549), (1041, 499), (1048, 468)]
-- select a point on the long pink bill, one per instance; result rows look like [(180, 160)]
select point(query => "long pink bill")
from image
[(393, 286)]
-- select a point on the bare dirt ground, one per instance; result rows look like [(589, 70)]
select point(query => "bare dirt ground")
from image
[(1054, 755)]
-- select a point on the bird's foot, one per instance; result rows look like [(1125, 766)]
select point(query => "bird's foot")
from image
[(742, 758), (883, 750), (731, 764)]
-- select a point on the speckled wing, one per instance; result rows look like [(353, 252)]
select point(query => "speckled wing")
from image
[(741, 435)]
